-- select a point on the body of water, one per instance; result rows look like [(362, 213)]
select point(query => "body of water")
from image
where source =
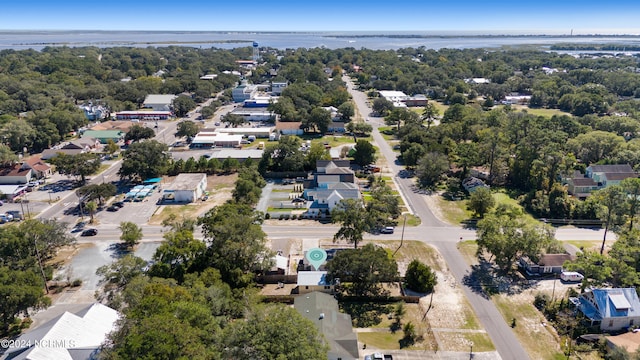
[(20, 40)]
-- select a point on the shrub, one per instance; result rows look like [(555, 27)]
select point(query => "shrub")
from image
[(76, 282), (419, 277), (267, 216)]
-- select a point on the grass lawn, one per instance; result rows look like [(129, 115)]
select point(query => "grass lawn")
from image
[(412, 249), (468, 250), (279, 210), (454, 212), (382, 340), (387, 137), (413, 220), (180, 211), (540, 112), (593, 245), (538, 341)]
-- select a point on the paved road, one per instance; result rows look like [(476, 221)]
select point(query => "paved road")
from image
[(500, 333)]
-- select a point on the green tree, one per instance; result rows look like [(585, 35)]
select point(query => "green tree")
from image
[(508, 238), (145, 160), (382, 106), (182, 105), (481, 201), (319, 119), (419, 277), (99, 192), (177, 254), (316, 152), (431, 168), (611, 203), (187, 129), (413, 154), (234, 120), (383, 208), (346, 111), (353, 220), (365, 153), (285, 156), (430, 113), (80, 165), (20, 291), (253, 339), (362, 271), (91, 208), (111, 147), (7, 156), (137, 133), (131, 233), (236, 242)]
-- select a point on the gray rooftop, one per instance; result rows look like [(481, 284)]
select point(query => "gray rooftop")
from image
[(186, 181)]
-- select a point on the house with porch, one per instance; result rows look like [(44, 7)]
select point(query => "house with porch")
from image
[(611, 309), (598, 177), (547, 265), (332, 182)]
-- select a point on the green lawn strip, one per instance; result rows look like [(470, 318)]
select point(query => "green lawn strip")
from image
[(413, 220), (282, 191), (279, 210), (593, 245), (540, 112), (468, 250), (462, 341), (381, 340), (539, 345)]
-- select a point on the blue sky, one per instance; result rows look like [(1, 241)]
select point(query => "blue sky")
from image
[(490, 16)]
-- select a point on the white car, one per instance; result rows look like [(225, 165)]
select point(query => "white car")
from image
[(387, 230)]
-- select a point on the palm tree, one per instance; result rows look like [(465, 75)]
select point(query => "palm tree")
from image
[(91, 207)]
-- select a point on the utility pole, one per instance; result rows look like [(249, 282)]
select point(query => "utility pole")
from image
[(44, 277), (402, 235)]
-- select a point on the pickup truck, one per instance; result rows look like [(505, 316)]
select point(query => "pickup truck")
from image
[(378, 356)]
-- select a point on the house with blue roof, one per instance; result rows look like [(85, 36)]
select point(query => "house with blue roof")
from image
[(611, 309)]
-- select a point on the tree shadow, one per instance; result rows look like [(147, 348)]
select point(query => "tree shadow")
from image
[(486, 279), (365, 314), (119, 250)]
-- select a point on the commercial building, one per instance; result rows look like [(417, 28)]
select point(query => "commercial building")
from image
[(159, 102), (144, 115), (278, 87), (243, 92), (237, 154), (104, 135), (209, 140), (185, 188), (254, 113), (258, 132)]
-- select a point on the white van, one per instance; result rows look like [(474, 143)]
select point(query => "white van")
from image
[(571, 276)]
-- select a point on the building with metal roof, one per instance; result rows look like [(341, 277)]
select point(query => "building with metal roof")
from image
[(69, 336), (159, 102), (185, 188), (611, 309)]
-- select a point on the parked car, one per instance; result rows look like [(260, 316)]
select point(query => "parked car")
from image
[(113, 208), (17, 216), (90, 232), (119, 204), (387, 230)]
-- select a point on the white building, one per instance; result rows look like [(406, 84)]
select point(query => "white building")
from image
[(77, 335), (216, 139), (277, 87), (158, 102), (186, 188), (254, 114), (396, 97), (244, 91), (309, 281), (258, 132), (237, 154)]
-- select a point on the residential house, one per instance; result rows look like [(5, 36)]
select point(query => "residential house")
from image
[(40, 169), (581, 187), (598, 177), (336, 127), (51, 153), (611, 309), (472, 184), (322, 309), (310, 281), (159, 102), (332, 182), (548, 264), (15, 174), (289, 128), (85, 143), (76, 335), (122, 125)]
